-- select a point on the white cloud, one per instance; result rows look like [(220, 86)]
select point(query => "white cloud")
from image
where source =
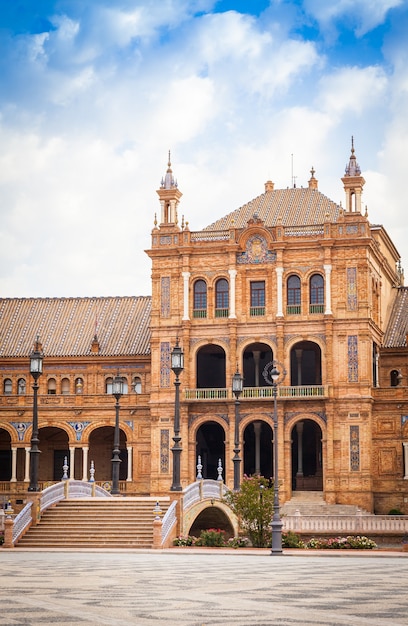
[(364, 15)]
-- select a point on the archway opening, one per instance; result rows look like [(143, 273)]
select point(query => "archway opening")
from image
[(101, 452), (307, 461), (54, 448), (210, 445), (305, 364), (5, 455), (211, 367), (255, 357), (258, 449), (211, 517)]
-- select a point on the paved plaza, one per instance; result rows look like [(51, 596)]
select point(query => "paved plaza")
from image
[(202, 588)]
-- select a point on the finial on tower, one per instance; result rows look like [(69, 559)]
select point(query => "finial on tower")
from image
[(168, 181), (353, 168)]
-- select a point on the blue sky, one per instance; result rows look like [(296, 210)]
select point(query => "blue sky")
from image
[(94, 94)]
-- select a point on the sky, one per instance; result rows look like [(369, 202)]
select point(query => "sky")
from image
[(93, 95)]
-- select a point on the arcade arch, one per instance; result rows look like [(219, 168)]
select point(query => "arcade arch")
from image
[(256, 355), (307, 456), (100, 452), (258, 449), (305, 364), (210, 371), (210, 446)]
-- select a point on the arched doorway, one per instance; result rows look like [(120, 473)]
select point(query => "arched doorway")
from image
[(305, 364), (101, 452), (255, 357), (5, 455), (54, 448), (258, 449), (211, 367), (307, 461), (210, 445)]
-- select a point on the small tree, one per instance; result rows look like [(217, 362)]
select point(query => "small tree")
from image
[(253, 505)]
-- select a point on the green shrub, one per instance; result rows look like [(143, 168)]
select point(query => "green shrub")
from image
[(291, 540), (184, 541), (211, 538), (395, 512), (253, 505), (238, 542), (341, 543)]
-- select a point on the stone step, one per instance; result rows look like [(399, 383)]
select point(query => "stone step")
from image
[(113, 523)]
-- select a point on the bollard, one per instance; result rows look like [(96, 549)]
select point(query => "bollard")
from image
[(8, 533)]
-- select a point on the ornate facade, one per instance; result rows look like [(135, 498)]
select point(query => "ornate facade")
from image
[(289, 279)]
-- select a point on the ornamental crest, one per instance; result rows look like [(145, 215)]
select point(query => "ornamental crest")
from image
[(256, 252)]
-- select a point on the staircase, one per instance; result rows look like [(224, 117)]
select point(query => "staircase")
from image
[(95, 523), (312, 503)]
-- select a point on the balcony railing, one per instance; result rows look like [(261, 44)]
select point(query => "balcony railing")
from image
[(258, 393)]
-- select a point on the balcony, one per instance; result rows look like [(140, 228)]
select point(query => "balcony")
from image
[(302, 392)]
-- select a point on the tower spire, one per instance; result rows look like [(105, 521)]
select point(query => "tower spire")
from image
[(169, 195), (353, 183)]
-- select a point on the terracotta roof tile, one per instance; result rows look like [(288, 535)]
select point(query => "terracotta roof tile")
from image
[(67, 326), (295, 206), (397, 329)]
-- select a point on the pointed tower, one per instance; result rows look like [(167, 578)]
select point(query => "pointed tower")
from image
[(353, 183), (169, 195)]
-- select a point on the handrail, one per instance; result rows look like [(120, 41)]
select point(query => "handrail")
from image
[(202, 490), (256, 393), (21, 521), (71, 489), (169, 519)]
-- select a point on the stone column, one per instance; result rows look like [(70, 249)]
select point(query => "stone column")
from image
[(299, 430), (279, 288), (405, 444), (327, 283), (13, 478), (257, 355), (71, 462), (85, 450), (186, 276), (129, 460), (257, 430), (233, 274), (27, 466), (298, 352)]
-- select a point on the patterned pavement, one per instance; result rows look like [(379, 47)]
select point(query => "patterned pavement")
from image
[(202, 588)]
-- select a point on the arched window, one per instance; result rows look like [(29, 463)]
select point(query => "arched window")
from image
[(7, 386), (395, 378), (108, 384), (65, 386), (125, 388), (200, 299), (21, 386), (221, 298), (316, 295), (137, 384), (79, 386), (52, 386), (293, 295)]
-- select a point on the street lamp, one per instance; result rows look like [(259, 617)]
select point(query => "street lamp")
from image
[(177, 365), (117, 391), (36, 368), (237, 384), (276, 520)]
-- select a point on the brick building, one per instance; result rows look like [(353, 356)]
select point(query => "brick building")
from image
[(290, 279)]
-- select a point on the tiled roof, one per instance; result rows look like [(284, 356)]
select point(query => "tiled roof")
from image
[(397, 329), (295, 206), (67, 326)]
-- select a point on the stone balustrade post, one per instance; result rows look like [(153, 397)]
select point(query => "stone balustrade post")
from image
[(157, 534), (8, 533), (35, 497)]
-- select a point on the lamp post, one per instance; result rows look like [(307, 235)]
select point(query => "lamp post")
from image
[(117, 392), (177, 365), (237, 384), (276, 520), (36, 368)]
